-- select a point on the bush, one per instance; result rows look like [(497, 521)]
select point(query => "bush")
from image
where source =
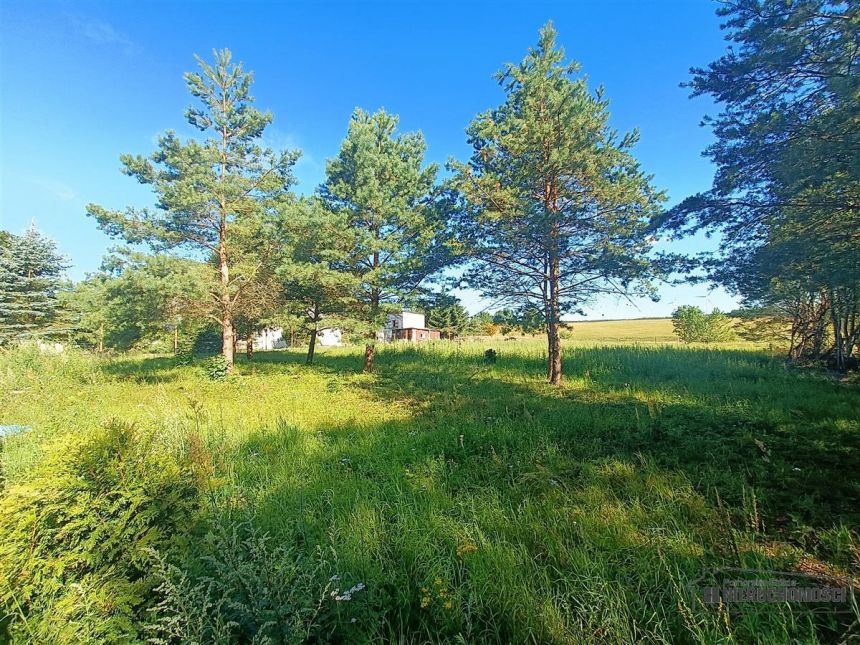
[(490, 356), (490, 329), (74, 536), (692, 325), (217, 368), (242, 588), (197, 341)]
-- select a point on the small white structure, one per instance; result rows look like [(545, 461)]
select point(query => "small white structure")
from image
[(331, 337), (407, 325), (49, 348), (270, 338), (273, 338)]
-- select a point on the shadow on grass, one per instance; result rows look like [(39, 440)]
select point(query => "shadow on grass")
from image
[(504, 510)]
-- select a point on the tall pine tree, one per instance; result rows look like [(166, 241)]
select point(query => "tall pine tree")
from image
[(378, 183), (558, 210), (211, 192)]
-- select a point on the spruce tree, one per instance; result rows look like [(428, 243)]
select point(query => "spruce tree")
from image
[(31, 271)]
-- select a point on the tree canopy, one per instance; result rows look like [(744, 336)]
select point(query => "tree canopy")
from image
[(378, 183), (557, 209), (31, 270), (787, 152), (212, 192)]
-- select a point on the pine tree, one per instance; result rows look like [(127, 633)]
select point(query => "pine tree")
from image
[(211, 193), (31, 271), (447, 314), (787, 181), (316, 246), (378, 183), (558, 210)]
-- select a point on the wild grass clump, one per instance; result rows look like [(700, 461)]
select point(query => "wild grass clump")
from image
[(235, 585), (24, 366)]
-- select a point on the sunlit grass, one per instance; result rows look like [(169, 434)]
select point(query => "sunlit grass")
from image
[(474, 500)]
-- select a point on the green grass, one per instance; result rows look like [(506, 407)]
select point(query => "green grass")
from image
[(477, 503), (645, 330)]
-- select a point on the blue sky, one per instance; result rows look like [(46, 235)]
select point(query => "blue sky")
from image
[(82, 82)]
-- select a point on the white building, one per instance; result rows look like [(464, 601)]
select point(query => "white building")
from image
[(331, 337), (273, 338), (409, 326), (270, 338)]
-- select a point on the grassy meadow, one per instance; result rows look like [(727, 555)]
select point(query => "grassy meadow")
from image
[(440, 499)]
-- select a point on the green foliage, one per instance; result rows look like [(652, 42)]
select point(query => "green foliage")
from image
[(74, 534), (787, 184), (379, 187), (217, 194), (217, 368), (558, 210), (692, 325), (445, 313), (30, 279), (243, 587), (138, 298), (313, 267)]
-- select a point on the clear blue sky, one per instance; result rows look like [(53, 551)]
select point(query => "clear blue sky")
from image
[(82, 82)]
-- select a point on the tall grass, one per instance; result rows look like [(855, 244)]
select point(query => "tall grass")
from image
[(464, 501)]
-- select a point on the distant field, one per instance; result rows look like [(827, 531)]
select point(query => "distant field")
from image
[(637, 331), (656, 330), (642, 330), (460, 501)]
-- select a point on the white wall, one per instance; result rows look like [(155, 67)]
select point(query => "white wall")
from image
[(410, 319), (272, 338), (403, 320), (330, 337)]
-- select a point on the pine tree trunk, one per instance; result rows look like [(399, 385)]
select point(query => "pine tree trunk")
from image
[(249, 346), (227, 347), (552, 328), (370, 348), (312, 345)]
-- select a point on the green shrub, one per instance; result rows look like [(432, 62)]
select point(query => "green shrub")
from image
[(74, 536), (241, 587), (692, 325), (197, 341), (217, 368)]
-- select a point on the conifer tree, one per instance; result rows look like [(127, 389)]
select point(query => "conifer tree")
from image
[(31, 271), (316, 248), (787, 154), (558, 210), (447, 314), (380, 186), (211, 192)]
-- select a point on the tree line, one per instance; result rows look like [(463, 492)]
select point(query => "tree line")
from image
[(550, 211)]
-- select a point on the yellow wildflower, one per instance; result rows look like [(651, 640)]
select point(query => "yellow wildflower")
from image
[(466, 547)]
